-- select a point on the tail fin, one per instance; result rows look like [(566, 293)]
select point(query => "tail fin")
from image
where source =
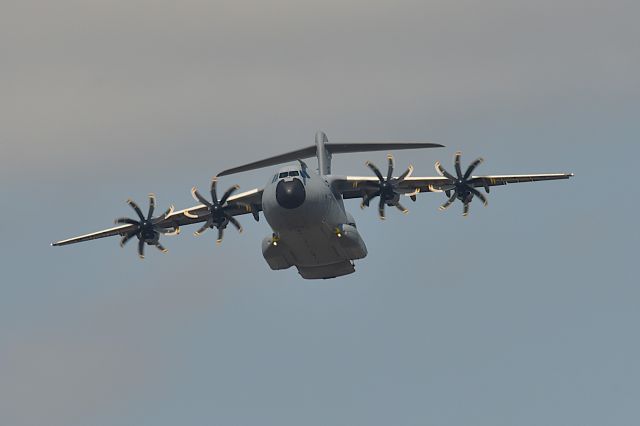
[(323, 154), (323, 150)]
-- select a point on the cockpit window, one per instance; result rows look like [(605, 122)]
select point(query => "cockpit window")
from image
[(290, 173), (305, 174), (275, 178)]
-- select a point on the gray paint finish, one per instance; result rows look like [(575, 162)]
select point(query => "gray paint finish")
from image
[(525, 313)]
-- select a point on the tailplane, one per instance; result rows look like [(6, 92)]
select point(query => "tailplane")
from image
[(323, 151)]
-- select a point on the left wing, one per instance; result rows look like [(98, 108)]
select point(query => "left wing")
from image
[(171, 221), (358, 186)]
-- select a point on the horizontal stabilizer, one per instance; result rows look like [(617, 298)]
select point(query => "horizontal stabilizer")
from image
[(332, 148), (299, 154), (345, 148)]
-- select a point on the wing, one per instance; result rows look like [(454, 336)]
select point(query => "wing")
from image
[(357, 186), (118, 230), (246, 202)]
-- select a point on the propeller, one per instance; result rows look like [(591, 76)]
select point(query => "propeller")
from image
[(463, 188), (386, 188), (218, 210), (146, 228)]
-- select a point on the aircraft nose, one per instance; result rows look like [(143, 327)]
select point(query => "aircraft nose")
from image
[(290, 195)]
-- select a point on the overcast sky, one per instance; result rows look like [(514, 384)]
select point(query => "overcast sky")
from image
[(524, 313)]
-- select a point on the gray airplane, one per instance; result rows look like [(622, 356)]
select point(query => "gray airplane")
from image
[(312, 230)]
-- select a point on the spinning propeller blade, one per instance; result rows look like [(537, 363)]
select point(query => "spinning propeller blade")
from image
[(463, 190), (218, 210), (387, 188), (146, 229)]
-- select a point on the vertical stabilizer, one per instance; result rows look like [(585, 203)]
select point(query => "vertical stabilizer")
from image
[(324, 156)]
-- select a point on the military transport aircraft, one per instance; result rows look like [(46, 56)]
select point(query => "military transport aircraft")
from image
[(312, 230)]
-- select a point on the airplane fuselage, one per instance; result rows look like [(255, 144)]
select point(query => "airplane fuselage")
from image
[(311, 228)]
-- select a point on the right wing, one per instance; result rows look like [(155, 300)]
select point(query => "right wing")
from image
[(118, 230), (246, 202)]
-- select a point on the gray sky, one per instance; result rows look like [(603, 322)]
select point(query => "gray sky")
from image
[(524, 313)]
